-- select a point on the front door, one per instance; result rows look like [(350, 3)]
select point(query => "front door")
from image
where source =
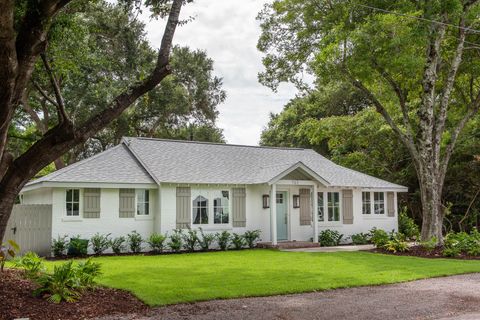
[(282, 216)]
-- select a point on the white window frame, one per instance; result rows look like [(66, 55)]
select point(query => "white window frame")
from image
[(72, 202), (325, 221), (383, 202), (370, 207), (137, 202), (373, 215), (227, 207), (209, 194)]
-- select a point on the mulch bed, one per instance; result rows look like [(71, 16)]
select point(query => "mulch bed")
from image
[(17, 302), (418, 251)]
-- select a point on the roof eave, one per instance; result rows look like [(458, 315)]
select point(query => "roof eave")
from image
[(299, 165)]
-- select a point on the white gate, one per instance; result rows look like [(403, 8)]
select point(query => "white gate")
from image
[(31, 227)]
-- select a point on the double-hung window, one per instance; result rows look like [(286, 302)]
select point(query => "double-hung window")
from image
[(220, 207), (143, 202), (200, 210), (378, 203), (72, 202), (321, 214), (333, 206), (366, 203)]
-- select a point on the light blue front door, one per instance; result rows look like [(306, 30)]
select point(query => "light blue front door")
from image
[(282, 216)]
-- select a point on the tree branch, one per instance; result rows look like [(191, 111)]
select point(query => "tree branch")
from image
[(62, 115), (44, 94)]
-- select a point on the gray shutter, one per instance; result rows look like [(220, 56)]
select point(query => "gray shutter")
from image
[(347, 206), (127, 203), (91, 203), (305, 207), (184, 207), (239, 214), (390, 204)]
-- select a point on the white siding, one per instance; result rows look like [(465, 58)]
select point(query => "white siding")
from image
[(38, 196)]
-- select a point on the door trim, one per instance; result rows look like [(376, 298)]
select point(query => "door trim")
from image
[(287, 214)]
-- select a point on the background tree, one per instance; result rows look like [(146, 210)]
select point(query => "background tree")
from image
[(25, 30), (416, 62)]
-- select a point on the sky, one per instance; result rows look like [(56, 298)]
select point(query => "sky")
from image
[(228, 32)]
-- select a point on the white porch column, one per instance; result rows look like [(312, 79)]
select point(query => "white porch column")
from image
[(273, 214), (158, 214), (315, 213)]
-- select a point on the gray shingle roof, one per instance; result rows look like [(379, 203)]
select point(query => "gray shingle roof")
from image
[(169, 161)]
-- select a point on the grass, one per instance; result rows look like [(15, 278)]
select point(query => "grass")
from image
[(168, 279)]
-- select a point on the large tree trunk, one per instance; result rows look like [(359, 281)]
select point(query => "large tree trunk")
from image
[(432, 210)]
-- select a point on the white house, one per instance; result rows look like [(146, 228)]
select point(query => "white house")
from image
[(153, 185)]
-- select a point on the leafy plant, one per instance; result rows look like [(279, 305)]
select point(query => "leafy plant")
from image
[(100, 243), (379, 237), (77, 247), (176, 241), (59, 246), (157, 242), (360, 238), (118, 244), (329, 238), (429, 245), (87, 271), (8, 250), (134, 240), (407, 225), (238, 241), (190, 240), (251, 238), (31, 264), (61, 285), (205, 240), (223, 240), (396, 244), (451, 252)]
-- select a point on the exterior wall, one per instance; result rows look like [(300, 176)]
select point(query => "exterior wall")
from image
[(38, 196)]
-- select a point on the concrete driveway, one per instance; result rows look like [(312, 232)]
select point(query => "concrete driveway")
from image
[(455, 297)]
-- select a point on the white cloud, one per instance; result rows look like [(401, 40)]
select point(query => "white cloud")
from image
[(228, 31)]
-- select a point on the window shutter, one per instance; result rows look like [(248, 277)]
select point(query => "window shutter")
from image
[(127, 203), (390, 204), (184, 207), (347, 206), (91, 203), (305, 207), (239, 216)]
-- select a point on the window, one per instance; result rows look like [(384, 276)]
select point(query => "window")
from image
[(143, 200), (280, 198), (200, 210), (333, 206), (72, 202), (378, 203), (220, 207), (366, 203), (321, 216)]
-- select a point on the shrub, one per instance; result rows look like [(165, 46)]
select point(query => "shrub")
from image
[(8, 249), (59, 246), (134, 240), (451, 252), (251, 238), (61, 285), (86, 273), (190, 240), (118, 244), (31, 264), (360, 238), (462, 242), (429, 245), (157, 242), (206, 240), (100, 243), (223, 240), (77, 247), (379, 237), (407, 225), (397, 243), (238, 241), (176, 242), (329, 238)]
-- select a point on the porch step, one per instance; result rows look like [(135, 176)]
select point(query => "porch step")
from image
[(288, 245)]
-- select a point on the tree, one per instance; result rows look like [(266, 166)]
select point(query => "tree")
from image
[(416, 62), (25, 28)]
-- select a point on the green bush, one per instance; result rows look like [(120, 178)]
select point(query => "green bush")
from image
[(8, 250), (360, 238), (462, 242), (156, 241), (396, 243), (379, 237), (251, 238), (223, 240), (86, 272), (176, 242), (59, 246), (329, 238), (238, 241), (100, 243), (77, 247), (31, 264), (407, 225), (206, 240), (134, 240), (118, 244), (429, 245), (190, 240)]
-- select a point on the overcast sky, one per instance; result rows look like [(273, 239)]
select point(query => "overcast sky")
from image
[(228, 31)]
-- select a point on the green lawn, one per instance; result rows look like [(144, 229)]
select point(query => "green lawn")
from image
[(168, 279)]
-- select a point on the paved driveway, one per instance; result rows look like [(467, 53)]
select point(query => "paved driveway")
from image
[(456, 297)]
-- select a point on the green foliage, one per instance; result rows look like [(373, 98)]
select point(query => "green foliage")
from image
[(8, 250), (118, 244), (86, 273), (223, 239), (329, 238), (157, 242), (396, 243), (134, 240), (429, 245), (251, 237), (238, 241), (360, 238), (407, 225), (190, 240), (77, 247), (205, 240), (462, 243), (31, 264), (176, 240), (379, 237), (100, 243), (59, 246)]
